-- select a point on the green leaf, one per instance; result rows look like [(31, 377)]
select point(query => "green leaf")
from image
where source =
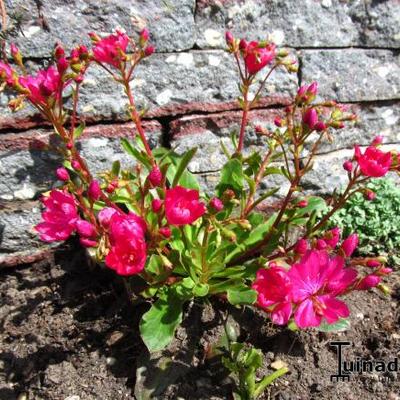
[(184, 162), (158, 325), (232, 177), (201, 290), (132, 151), (116, 167), (79, 130), (241, 295), (343, 324)]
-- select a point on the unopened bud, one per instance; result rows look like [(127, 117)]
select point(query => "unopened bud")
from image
[(216, 204), (155, 176), (229, 38), (94, 190), (76, 165), (149, 50), (166, 232), (62, 174), (348, 166), (377, 141), (369, 195), (242, 44), (156, 205)]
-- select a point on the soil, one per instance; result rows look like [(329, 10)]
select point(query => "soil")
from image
[(68, 332)]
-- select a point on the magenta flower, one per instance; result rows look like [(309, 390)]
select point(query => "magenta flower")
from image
[(257, 58), (47, 83), (374, 162), (111, 50), (59, 217), (310, 118), (128, 252), (316, 282), (274, 293), (182, 206)]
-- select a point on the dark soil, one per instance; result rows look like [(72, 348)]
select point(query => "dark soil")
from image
[(67, 332)]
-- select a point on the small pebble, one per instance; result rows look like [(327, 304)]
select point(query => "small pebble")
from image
[(110, 361), (73, 397), (278, 364), (22, 396)]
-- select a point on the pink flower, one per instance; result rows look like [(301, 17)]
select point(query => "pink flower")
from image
[(182, 206), (155, 176), (47, 83), (128, 252), (59, 216), (86, 242), (321, 244), (316, 282), (274, 293), (350, 244), (374, 162), (216, 204), (112, 49), (257, 58)]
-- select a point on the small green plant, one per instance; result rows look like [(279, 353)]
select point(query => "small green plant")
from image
[(243, 361), (376, 221)]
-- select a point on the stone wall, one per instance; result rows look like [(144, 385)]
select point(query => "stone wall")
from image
[(351, 47)]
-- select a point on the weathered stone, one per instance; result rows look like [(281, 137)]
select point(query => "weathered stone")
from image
[(353, 75), (171, 84), (42, 24), (18, 242), (27, 169), (168, 84), (307, 23)]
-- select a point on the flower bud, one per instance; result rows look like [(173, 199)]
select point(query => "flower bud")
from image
[(149, 50), (144, 36), (278, 122), (369, 195), (155, 176), (105, 215), (229, 38), (216, 204), (112, 186), (69, 145), (373, 263), (59, 52), (310, 118), (156, 205), (302, 203), (377, 141), (242, 44), (368, 282), (320, 126), (348, 166), (321, 244), (350, 244), (385, 271), (312, 90), (94, 37), (94, 190), (76, 165), (301, 246), (85, 228), (62, 65), (62, 174), (166, 232)]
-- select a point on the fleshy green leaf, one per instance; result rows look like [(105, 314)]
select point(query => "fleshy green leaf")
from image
[(232, 177), (343, 324), (241, 295), (158, 325), (183, 163)]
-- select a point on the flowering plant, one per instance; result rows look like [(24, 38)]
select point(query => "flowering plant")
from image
[(172, 242)]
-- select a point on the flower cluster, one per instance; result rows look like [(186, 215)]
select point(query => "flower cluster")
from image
[(154, 221), (309, 288)]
